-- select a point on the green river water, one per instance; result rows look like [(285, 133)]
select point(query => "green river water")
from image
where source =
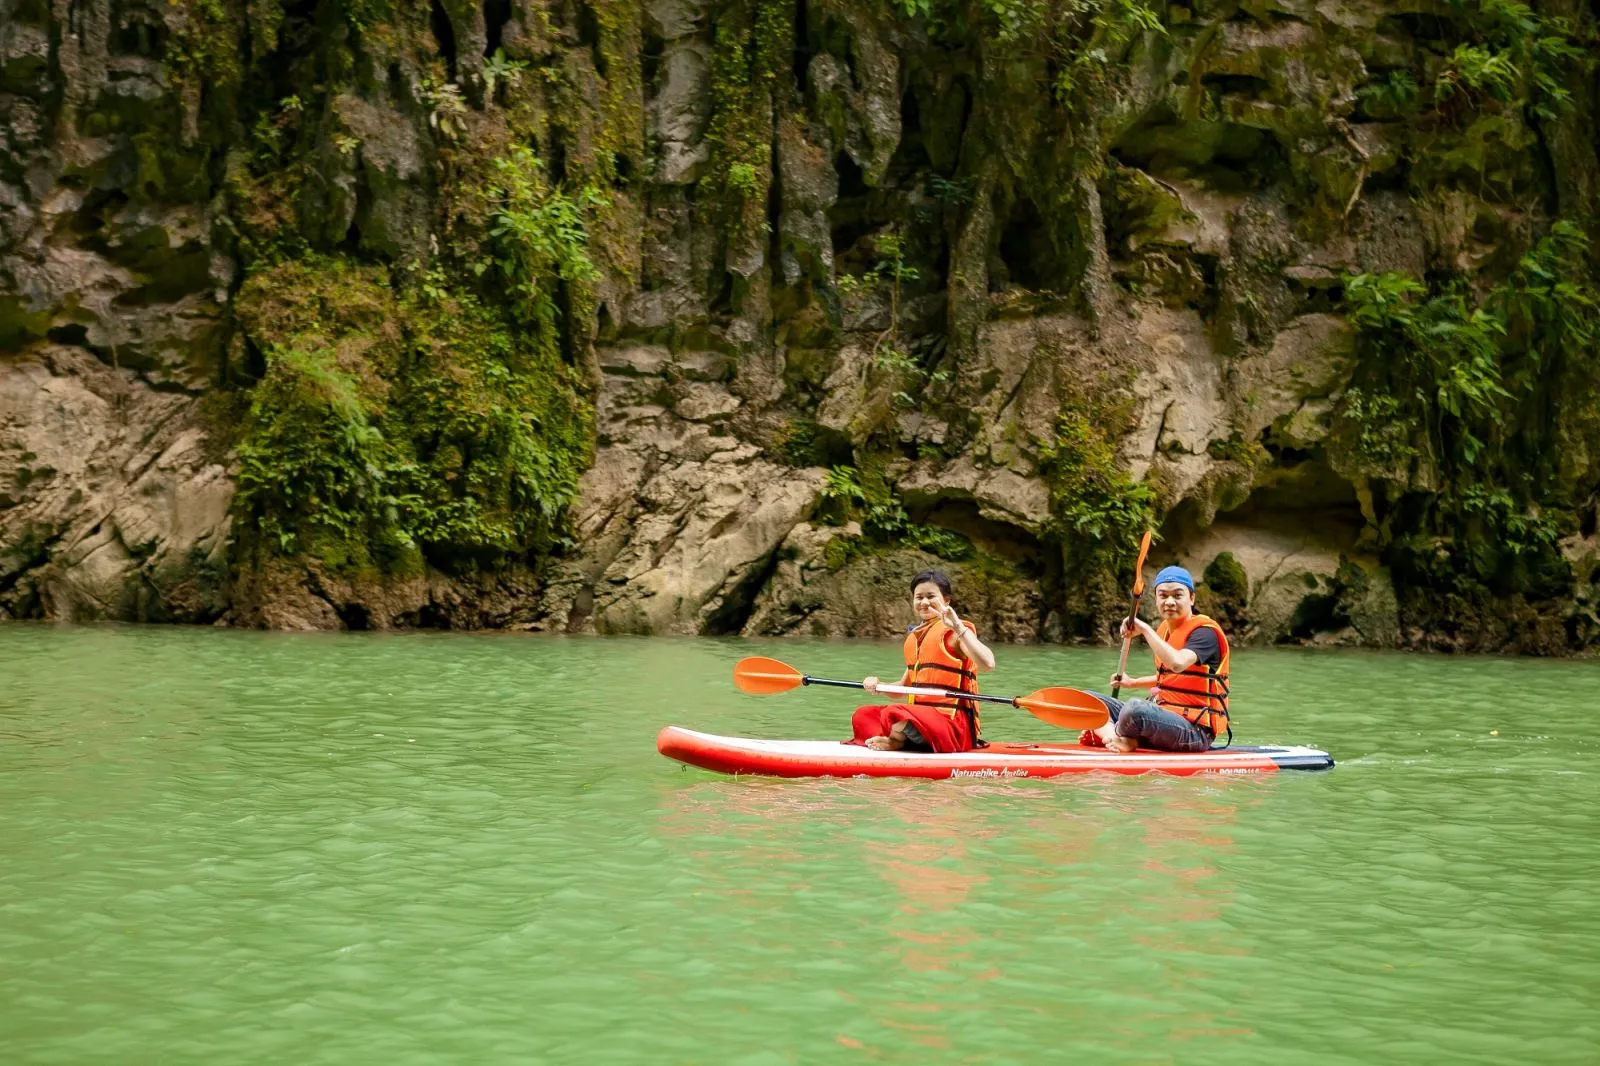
[(229, 848)]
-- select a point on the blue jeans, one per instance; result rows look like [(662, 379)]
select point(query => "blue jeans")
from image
[(1154, 727)]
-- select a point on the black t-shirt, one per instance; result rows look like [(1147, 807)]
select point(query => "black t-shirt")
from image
[(1207, 649)]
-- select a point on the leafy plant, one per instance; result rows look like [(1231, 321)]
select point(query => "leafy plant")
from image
[(883, 518), (447, 110), (1512, 56), (310, 456), (537, 236), (1093, 499), (841, 484), (498, 71), (1469, 385), (392, 425), (743, 180), (1396, 95)]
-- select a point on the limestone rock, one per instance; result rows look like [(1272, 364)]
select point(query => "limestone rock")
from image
[(1301, 587), (114, 506)]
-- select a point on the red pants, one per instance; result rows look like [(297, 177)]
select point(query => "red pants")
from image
[(942, 731)]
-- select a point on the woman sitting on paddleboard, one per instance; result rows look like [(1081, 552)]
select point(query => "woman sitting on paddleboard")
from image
[(941, 650), (1189, 704)]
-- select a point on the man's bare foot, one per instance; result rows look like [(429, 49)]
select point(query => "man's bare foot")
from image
[(888, 743), (1120, 744)]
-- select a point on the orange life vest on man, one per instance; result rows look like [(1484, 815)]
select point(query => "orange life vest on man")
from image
[(930, 662), (1199, 693)]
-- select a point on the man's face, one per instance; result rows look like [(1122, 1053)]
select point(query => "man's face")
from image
[(1174, 600)]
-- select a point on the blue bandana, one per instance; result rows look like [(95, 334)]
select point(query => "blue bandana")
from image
[(1175, 575)]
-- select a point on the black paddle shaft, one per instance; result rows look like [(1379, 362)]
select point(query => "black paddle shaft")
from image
[(1009, 701)]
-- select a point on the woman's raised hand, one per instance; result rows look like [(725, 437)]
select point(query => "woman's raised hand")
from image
[(951, 620)]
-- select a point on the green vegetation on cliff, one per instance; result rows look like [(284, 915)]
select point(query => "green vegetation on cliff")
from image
[(392, 429)]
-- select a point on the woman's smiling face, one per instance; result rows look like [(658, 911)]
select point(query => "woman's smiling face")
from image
[(927, 601)]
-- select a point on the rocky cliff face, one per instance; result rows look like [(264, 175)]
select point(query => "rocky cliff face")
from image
[(700, 317)]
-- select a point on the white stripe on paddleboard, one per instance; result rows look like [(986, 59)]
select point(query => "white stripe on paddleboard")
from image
[(835, 751)]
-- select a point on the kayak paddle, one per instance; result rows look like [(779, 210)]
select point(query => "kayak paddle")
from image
[(1133, 611), (1068, 708)]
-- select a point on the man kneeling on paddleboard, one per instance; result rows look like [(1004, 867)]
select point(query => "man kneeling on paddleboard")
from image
[(941, 651), (1189, 704)]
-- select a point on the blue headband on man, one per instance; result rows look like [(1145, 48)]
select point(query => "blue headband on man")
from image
[(1175, 575)]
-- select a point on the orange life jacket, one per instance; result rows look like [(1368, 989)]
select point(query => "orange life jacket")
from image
[(929, 662), (1199, 693)]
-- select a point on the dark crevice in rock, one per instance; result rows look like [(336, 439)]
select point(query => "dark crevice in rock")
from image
[(137, 31), (496, 13), (563, 294), (852, 217), (1228, 157), (556, 159), (739, 602), (721, 304), (354, 616), (589, 37), (1239, 84), (803, 47), (836, 39), (1327, 298), (1028, 255), (32, 12), (72, 333), (397, 85), (444, 35), (651, 49), (1395, 179)]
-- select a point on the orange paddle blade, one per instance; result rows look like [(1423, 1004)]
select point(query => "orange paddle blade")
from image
[(761, 676), (1138, 567), (1069, 708)]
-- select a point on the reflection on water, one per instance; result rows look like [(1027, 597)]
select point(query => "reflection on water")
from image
[(251, 848)]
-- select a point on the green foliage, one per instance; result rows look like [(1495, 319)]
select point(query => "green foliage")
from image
[(1548, 306), (743, 179), (1511, 55), (752, 41), (1437, 357), (310, 459), (498, 71), (798, 445), (890, 270), (447, 110), (1383, 432), (1225, 577), (1465, 389), (537, 237), (1480, 70), (841, 486), (391, 427), (1396, 96), (204, 44), (848, 492), (1093, 500)]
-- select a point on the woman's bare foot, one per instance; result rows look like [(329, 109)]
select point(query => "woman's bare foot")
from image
[(893, 742), (1119, 744)]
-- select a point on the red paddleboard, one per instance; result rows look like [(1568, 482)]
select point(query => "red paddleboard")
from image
[(830, 758)]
